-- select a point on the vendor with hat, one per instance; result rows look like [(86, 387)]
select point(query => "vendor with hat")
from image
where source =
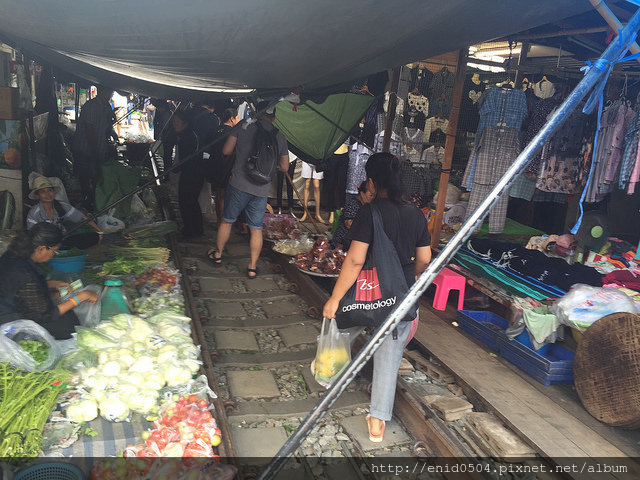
[(50, 210)]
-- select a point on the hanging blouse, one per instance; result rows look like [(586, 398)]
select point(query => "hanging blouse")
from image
[(395, 146), (432, 124), (502, 106)]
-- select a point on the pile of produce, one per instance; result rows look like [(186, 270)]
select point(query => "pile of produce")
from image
[(193, 468), (185, 428), (157, 229), (321, 259), (296, 246), (133, 359), (158, 277), (280, 227), (26, 401)]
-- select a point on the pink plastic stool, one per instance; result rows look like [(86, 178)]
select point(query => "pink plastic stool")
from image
[(446, 281)]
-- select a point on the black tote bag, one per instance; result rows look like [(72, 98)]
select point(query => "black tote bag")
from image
[(380, 286)]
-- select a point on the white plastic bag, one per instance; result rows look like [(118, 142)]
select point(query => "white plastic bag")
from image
[(13, 353), (88, 313), (108, 223), (584, 304), (333, 354)]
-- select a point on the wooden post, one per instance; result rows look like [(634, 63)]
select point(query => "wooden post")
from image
[(391, 109), (449, 144)]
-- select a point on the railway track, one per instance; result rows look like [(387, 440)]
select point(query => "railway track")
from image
[(258, 339)]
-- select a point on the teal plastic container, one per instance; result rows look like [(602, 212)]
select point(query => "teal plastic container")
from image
[(114, 302), (68, 264)]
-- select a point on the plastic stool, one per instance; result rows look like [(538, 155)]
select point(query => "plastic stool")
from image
[(446, 281)]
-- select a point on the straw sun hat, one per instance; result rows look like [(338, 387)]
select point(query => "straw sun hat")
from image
[(38, 184)]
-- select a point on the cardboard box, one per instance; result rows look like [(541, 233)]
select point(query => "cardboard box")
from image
[(8, 103)]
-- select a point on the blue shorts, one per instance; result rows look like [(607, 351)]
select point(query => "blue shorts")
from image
[(235, 201)]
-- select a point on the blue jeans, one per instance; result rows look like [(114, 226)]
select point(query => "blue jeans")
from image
[(386, 363), (235, 201)]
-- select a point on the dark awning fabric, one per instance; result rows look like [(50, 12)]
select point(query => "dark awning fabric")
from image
[(315, 130), (191, 48)]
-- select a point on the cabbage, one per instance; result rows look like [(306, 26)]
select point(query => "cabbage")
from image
[(166, 314), (143, 402), (113, 409), (110, 369), (122, 320), (189, 351), (176, 375), (155, 342), (82, 409), (92, 340), (170, 331), (143, 364), (111, 330)]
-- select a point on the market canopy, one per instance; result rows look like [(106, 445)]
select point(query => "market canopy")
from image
[(190, 48)]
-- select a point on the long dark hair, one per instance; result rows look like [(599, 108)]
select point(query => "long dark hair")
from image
[(384, 169), (43, 234)]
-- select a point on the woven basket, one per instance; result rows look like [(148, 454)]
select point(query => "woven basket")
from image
[(606, 370)]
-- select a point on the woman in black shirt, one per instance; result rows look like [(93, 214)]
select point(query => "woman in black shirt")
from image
[(406, 227), (25, 294)]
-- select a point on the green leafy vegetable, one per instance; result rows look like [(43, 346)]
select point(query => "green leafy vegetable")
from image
[(38, 350), (74, 252), (123, 266)]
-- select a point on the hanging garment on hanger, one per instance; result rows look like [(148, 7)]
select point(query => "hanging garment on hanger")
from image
[(613, 126), (395, 145), (441, 88), (421, 78), (432, 124), (418, 102), (433, 155), (630, 155), (537, 119), (502, 106), (358, 156), (559, 174), (399, 104), (495, 153), (544, 88)]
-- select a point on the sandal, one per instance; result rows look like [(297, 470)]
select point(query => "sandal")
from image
[(251, 271), (211, 255), (375, 438)]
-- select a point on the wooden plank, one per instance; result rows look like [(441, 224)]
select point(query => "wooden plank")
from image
[(552, 430)]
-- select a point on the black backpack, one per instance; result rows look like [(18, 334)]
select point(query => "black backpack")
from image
[(263, 161)]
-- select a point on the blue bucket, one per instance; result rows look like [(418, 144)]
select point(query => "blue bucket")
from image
[(68, 264)]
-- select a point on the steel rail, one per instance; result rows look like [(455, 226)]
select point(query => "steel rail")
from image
[(590, 80)]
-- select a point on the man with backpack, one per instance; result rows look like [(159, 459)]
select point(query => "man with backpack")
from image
[(261, 150)]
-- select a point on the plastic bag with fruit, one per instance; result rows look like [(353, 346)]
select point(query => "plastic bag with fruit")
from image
[(333, 354)]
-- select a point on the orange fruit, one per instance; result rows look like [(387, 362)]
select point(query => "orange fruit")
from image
[(12, 158)]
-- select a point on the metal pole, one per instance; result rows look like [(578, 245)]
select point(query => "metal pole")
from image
[(468, 227)]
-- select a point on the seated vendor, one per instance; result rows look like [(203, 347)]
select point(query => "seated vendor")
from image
[(25, 294), (349, 212), (50, 210)]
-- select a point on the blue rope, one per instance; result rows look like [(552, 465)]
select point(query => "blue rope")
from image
[(597, 98)]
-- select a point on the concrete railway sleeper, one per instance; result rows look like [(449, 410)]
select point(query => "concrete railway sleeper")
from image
[(258, 339)]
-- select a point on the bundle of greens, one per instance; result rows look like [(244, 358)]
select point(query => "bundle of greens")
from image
[(143, 254), (148, 242), (156, 229), (26, 401), (122, 266)]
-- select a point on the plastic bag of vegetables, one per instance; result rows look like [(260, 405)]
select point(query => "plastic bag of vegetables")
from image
[(28, 346)]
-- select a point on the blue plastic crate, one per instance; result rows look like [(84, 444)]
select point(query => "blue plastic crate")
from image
[(556, 360), (524, 339), (555, 377), (485, 326)]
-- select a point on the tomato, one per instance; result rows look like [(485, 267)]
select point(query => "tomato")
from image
[(203, 404), (193, 398), (147, 452), (206, 416)]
